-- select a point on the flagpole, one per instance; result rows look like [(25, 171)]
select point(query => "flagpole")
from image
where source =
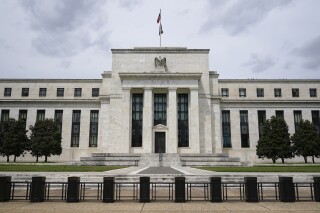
[(161, 27)]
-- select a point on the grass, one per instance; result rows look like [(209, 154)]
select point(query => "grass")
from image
[(55, 168), (264, 169)]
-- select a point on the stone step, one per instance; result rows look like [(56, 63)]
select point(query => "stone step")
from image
[(208, 159), (114, 158), (115, 155), (212, 163)]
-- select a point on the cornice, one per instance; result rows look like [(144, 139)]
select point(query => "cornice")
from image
[(168, 50), (154, 75)]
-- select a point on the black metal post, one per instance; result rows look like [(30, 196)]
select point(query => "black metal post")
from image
[(5, 188), (108, 190), (215, 189), (144, 190), (251, 189), (286, 189), (316, 188), (180, 193), (73, 189), (37, 189)]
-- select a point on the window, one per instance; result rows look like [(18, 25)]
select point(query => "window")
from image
[(297, 118), (4, 117), (77, 92), (244, 128), (23, 116), (94, 121), (224, 92), (277, 92), (242, 92), (7, 92), (58, 115), (25, 92), (183, 120), (280, 114), (95, 92), (41, 115), (295, 92), (261, 121), (137, 115), (42, 92), (160, 109), (313, 92), (260, 92), (316, 120), (60, 92), (75, 129), (226, 130)]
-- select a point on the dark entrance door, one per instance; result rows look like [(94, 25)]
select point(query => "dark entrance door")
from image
[(160, 142)]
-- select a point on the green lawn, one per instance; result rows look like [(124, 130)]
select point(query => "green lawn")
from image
[(55, 168), (264, 169)]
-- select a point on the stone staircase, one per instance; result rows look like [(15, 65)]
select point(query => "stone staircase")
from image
[(111, 159), (209, 160)]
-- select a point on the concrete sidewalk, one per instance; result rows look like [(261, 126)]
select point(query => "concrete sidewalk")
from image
[(92, 207)]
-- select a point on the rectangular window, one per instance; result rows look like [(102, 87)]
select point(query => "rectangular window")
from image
[(242, 92), (280, 114), (261, 121), (137, 116), (313, 92), (244, 128), (95, 92), (297, 118), (94, 121), (77, 92), (75, 129), (41, 115), (160, 109), (23, 116), (316, 120), (25, 92), (226, 129), (4, 117), (183, 120), (260, 92), (295, 92), (60, 92), (7, 92), (42, 92), (224, 92), (277, 92), (58, 115)]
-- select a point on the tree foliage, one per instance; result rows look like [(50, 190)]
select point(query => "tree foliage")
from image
[(275, 140), (306, 141), (45, 139), (14, 140)]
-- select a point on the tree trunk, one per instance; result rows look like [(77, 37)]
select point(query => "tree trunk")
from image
[(45, 159), (37, 159), (313, 159), (7, 158), (305, 159), (15, 158), (282, 160), (273, 160)]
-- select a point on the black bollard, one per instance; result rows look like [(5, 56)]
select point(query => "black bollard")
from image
[(37, 192), (108, 190), (144, 190), (73, 189), (286, 189), (215, 189), (316, 188), (180, 193), (5, 188), (251, 189)]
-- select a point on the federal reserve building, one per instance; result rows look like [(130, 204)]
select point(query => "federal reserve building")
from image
[(160, 100)]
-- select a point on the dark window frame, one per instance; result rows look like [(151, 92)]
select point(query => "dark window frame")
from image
[(225, 92), (41, 115), (261, 121), (277, 92), (77, 92), (297, 117), (315, 116), (279, 114), (94, 128), (136, 119), (183, 119), (313, 92), (60, 92), (160, 109), (295, 92), (242, 92), (42, 92), (75, 128), (260, 92), (95, 92), (244, 129), (226, 128), (7, 92), (58, 118), (25, 92)]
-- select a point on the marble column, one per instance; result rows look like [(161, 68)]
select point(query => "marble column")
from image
[(125, 144), (172, 142), (147, 124), (194, 141), (216, 126)]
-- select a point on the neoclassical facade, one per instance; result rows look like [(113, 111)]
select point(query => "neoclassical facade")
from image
[(159, 100)]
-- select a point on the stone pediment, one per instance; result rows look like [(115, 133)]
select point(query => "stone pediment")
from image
[(160, 127)]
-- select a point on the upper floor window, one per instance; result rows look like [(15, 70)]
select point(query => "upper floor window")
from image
[(7, 92), (25, 92), (95, 92), (42, 92), (313, 92), (224, 92), (295, 92), (277, 92), (60, 92), (260, 92), (242, 92), (77, 92)]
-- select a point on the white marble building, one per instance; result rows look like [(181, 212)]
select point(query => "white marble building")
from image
[(159, 100)]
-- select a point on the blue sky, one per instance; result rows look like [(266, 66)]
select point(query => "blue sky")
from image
[(73, 38)]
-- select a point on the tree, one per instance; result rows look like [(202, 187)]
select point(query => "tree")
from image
[(14, 140), (306, 141), (275, 140), (45, 139)]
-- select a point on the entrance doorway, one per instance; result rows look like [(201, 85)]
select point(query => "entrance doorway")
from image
[(160, 142)]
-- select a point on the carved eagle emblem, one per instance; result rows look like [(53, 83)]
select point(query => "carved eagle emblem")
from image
[(160, 62)]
